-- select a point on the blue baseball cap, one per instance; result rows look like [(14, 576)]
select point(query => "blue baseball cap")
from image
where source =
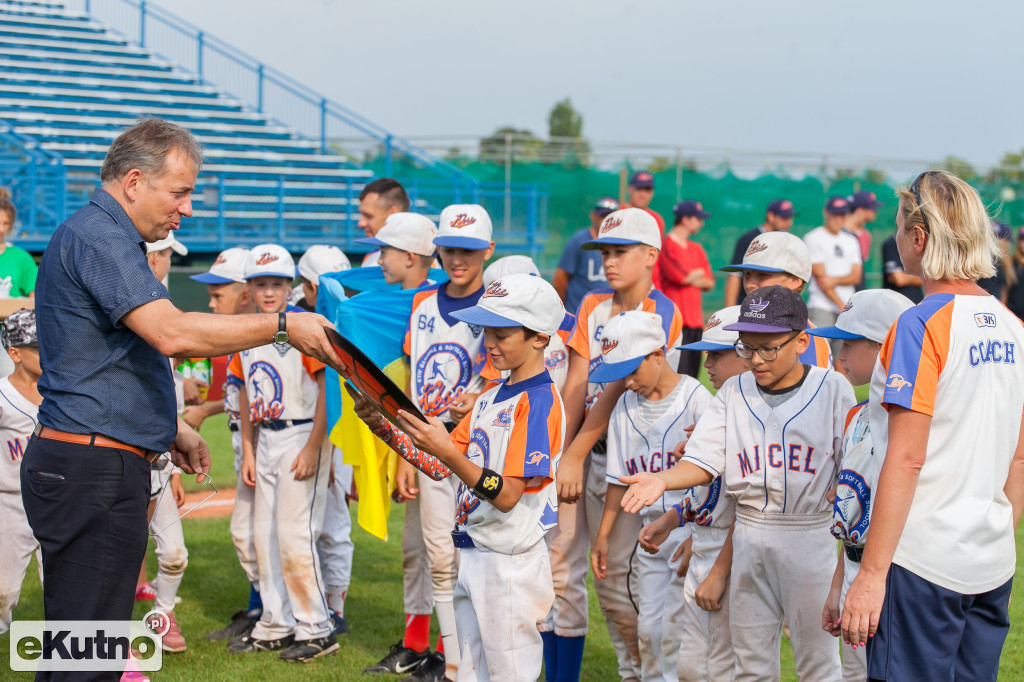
[(782, 208), (771, 310), (864, 199), (606, 205), (837, 206), (690, 209), (642, 180)]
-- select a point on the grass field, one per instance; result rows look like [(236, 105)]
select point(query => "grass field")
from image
[(214, 587)]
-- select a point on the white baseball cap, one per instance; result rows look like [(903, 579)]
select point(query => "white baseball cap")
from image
[(321, 258), (510, 265), (868, 314), (714, 336), (229, 267), (626, 340), (464, 226), (627, 226), (168, 242), (410, 232), (269, 260), (517, 301), (776, 252)]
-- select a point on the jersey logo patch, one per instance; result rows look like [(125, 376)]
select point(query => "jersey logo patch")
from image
[(265, 258), (851, 510), (495, 290), (555, 360), (479, 449), (898, 382), (442, 375), (535, 458), (462, 220), (985, 319), (504, 418), (702, 515), (610, 224), (755, 247), (267, 391)]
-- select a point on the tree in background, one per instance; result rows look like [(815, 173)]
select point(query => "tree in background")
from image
[(565, 135), (522, 145)]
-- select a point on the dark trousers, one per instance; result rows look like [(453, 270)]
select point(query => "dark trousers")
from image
[(689, 360), (927, 632), (87, 508)]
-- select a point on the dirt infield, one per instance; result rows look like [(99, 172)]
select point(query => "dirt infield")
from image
[(220, 504)]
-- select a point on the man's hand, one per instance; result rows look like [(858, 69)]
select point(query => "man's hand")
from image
[(570, 481), (462, 406), (405, 482), (304, 464), (306, 335), (177, 490), (190, 451), (683, 554), (644, 490)]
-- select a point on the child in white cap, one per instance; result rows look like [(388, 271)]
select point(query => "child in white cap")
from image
[(317, 260), (406, 243), (861, 327)]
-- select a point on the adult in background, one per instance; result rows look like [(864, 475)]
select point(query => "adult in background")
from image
[(999, 284), (931, 600), (579, 272), (683, 273), (17, 267), (641, 191), (377, 201), (864, 207), (1015, 294), (836, 267), (895, 278), (106, 327), (778, 217)]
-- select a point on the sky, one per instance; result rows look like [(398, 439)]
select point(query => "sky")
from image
[(910, 79)]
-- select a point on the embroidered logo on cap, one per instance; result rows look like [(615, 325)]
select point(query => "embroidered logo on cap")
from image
[(758, 306), (608, 345), (610, 224), (849, 304), (755, 247), (495, 290), (462, 220), (220, 259), (266, 258), (712, 323)]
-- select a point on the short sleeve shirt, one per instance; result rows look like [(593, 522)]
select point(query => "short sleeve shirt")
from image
[(108, 381), (838, 253), (586, 272), (891, 262), (17, 272), (675, 262)]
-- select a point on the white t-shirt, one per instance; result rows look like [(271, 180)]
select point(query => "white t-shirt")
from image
[(839, 252), (955, 358), (17, 420)]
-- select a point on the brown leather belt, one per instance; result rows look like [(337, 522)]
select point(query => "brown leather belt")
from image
[(93, 439)]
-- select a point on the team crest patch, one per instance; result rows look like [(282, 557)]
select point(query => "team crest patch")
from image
[(495, 290), (608, 345), (266, 258), (898, 382), (755, 247), (462, 220), (610, 224), (850, 512), (504, 418), (702, 515), (267, 391), (713, 322), (555, 360), (442, 375), (985, 319)]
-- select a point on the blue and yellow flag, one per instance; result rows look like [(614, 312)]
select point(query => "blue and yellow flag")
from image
[(373, 315)]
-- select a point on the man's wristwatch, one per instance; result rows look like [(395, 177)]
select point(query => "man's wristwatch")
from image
[(281, 337)]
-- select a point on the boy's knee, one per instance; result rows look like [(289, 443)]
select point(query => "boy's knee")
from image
[(174, 564)]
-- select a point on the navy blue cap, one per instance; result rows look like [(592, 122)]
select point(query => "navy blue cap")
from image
[(1002, 230), (782, 208), (864, 199), (837, 206), (690, 209), (606, 205), (642, 179), (771, 310)]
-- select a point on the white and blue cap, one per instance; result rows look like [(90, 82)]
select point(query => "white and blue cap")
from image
[(627, 226), (269, 260), (464, 226), (517, 301), (509, 265), (869, 314), (229, 267), (626, 340), (714, 336), (776, 252), (411, 232), (168, 242), (320, 259)]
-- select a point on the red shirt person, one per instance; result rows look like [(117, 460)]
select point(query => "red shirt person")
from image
[(683, 273)]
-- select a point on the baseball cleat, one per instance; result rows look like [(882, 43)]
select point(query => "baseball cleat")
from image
[(247, 643), (145, 592), (304, 650), (400, 661), (241, 624), (338, 623), (431, 671)]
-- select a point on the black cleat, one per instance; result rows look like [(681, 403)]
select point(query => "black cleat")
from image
[(241, 624), (399, 661), (431, 671), (303, 650), (247, 644), (338, 623)]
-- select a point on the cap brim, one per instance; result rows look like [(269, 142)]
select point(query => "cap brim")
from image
[(210, 278), (462, 243), (484, 318), (596, 243), (270, 274), (755, 328), (756, 268), (704, 345), (613, 371), (834, 333), (642, 185), (704, 215), (179, 248), (373, 241)]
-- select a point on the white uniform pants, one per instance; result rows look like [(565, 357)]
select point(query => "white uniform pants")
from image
[(171, 554), (705, 647), (18, 545), (657, 575), (287, 517), (437, 519), (781, 570), (855, 661), (567, 547), (335, 541), (241, 518), (417, 592), (499, 601)]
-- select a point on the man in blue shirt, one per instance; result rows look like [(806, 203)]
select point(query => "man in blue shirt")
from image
[(106, 327), (579, 272)]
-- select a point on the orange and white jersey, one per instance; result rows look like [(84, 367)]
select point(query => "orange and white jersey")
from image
[(954, 358), (596, 309), (516, 431), (818, 353), (17, 421), (280, 382), (232, 382), (446, 356)]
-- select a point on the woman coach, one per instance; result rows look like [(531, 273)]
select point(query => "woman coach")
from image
[(106, 326), (932, 597)]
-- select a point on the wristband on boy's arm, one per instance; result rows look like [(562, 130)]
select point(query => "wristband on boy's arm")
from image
[(399, 441), (489, 485), (679, 511)]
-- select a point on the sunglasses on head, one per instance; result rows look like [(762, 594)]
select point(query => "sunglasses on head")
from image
[(916, 189)]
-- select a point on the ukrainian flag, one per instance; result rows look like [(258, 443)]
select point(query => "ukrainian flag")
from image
[(373, 315)]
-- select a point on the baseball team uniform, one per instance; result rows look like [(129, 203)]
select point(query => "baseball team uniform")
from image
[(241, 513)]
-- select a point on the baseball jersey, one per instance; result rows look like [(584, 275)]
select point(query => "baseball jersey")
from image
[(818, 353), (596, 309), (780, 460), (232, 382), (17, 421), (857, 480), (954, 358), (280, 382), (638, 445), (517, 431), (838, 253), (446, 356)]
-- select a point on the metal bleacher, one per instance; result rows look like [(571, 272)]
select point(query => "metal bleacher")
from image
[(282, 163)]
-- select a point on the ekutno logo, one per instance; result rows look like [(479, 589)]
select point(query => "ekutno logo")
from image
[(88, 645)]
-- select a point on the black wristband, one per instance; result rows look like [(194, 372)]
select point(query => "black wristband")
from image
[(489, 485)]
